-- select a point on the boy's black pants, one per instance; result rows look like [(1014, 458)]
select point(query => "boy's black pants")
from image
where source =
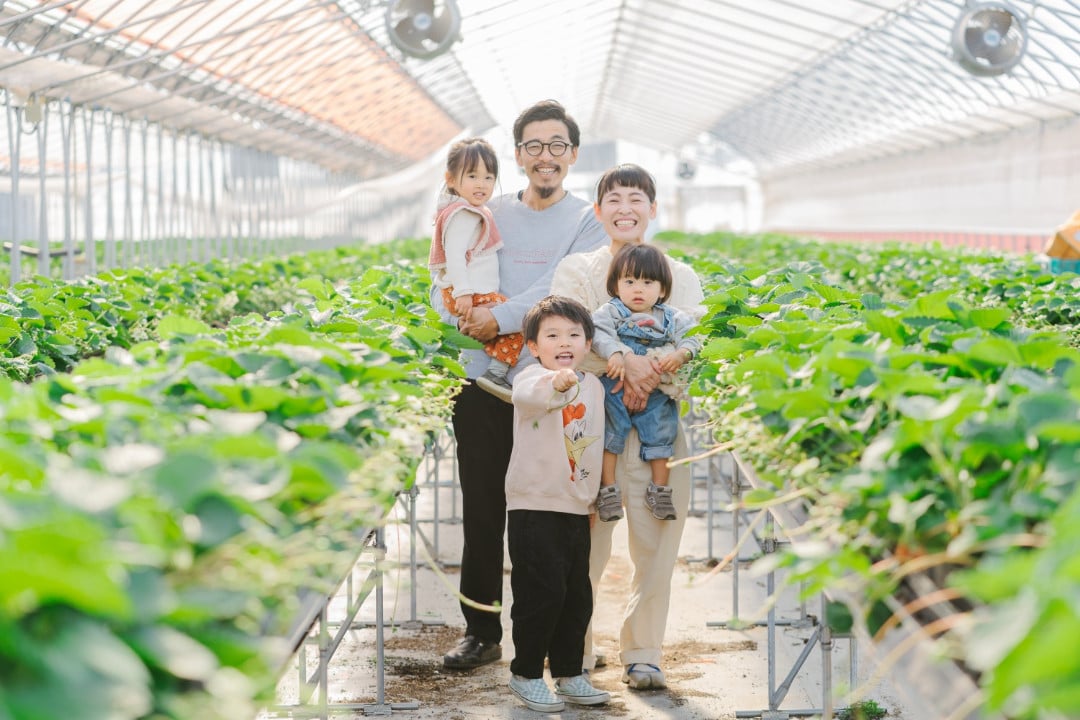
[(552, 602)]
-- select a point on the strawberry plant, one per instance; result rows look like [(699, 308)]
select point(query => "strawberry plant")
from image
[(163, 505), (924, 404)]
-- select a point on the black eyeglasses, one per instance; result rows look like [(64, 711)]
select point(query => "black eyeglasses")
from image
[(557, 148)]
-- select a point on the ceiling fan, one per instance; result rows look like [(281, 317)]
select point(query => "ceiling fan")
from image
[(423, 28), (989, 38)]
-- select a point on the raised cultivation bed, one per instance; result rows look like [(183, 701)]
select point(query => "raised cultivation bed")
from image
[(923, 403)]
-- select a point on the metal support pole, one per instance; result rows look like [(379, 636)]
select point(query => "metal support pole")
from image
[(14, 129), (127, 253), (67, 130), (414, 537), (822, 633), (108, 124), (381, 707), (736, 502), (44, 255), (90, 242), (826, 663)]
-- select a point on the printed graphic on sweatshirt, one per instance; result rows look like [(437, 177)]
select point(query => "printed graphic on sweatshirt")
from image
[(573, 420)]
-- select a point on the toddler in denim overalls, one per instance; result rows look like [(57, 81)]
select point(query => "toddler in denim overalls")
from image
[(637, 321)]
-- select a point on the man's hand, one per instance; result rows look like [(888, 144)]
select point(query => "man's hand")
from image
[(641, 375), (480, 324)]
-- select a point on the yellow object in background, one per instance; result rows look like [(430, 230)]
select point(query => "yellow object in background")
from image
[(1065, 243)]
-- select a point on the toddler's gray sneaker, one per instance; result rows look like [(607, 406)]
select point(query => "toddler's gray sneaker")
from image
[(609, 504), (497, 386), (659, 502)]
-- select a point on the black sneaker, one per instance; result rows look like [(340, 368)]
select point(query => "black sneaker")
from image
[(472, 652), (609, 504), (659, 501), (497, 386)]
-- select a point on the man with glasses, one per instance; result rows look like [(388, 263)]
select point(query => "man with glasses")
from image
[(539, 226)]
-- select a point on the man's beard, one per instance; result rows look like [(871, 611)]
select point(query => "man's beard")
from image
[(546, 192)]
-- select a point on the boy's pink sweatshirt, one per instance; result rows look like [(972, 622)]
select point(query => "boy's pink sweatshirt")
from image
[(558, 444)]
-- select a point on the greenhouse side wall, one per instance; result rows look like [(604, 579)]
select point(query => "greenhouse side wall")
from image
[(1022, 182)]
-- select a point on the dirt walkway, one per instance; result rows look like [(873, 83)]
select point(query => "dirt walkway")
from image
[(712, 672)]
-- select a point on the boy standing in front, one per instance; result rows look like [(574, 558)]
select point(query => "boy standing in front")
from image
[(551, 485)]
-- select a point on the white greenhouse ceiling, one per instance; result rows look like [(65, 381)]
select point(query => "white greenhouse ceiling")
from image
[(782, 84)]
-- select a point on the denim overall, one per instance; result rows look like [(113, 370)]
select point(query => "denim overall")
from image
[(658, 423)]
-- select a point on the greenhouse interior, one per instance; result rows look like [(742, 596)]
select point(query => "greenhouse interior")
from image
[(237, 467)]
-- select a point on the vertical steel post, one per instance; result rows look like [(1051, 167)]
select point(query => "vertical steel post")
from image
[(127, 249), (45, 258), (14, 129), (145, 227), (161, 249), (67, 129), (736, 515), (826, 662), (108, 124), (88, 217)]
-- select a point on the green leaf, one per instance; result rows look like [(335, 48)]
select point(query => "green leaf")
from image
[(219, 520), (456, 338), (745, 321), (995, 351), (319, 288), (83, 671), (423, 335), (1043, 354), (763, 364), (832, 294), (48, 555), (9, 328), (872, 302), (928, 409), (933, 305), (838, 617), (1037, 409), (885, 324), (176, 653), (725, 348), (989, 318), (185, 478), (172, 326), (758, 497), (1036, 660), (809, 402)]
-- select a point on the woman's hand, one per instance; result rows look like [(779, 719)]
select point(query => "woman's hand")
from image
[(641, 375)]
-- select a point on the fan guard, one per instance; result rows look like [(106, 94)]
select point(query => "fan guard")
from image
[(989, 39), (423, 28)]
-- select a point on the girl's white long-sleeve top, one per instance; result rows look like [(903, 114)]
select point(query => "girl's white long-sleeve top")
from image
[(558, 444)]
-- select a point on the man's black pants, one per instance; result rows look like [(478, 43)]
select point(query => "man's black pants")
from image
[(484, 431)]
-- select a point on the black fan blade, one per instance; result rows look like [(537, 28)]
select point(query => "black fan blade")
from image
[(441, 25), (408, 33), (415, 7), (975, 42), (1006, 52), (999, 20)]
